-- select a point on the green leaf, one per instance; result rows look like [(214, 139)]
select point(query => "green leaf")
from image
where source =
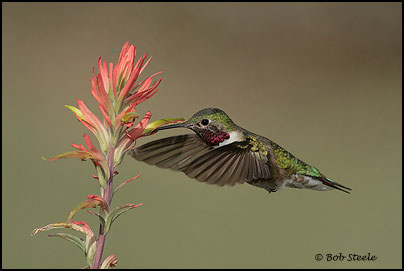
[(117, 212), (122, 184), (91, 202), (71, 238), (83, 155), (91, 245), (101, 217), (101, 177)]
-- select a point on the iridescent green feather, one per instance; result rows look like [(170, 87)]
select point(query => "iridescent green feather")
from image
[(214, 115), (258, 149), (287, 161)]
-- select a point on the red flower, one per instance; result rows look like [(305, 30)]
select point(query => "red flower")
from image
[(117, 94)]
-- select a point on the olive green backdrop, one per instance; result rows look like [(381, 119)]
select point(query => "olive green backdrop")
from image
[(322, 80)]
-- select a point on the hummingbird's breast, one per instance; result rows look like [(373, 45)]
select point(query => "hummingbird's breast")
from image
[(234, 136)]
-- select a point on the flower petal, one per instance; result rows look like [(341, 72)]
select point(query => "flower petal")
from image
[(90, 144), (132, 79), (144, 93), (124, 69), (111, 69), (139, 128), (106, 102), (106, 117), (79, 147), (99, 130), (118, 119), (102, 67), (89, 116)]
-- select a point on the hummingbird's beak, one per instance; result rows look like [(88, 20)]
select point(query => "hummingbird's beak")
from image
[(176, 125)]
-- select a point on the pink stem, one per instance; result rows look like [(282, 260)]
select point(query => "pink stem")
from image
[(107, 196)]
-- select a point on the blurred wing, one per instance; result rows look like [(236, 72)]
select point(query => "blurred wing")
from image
[(171, 152), (226, 165)]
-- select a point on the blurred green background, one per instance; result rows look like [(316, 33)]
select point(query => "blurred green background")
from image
[(322, 80)]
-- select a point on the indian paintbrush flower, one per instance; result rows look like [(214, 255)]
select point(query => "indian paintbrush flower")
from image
[(117, 93)]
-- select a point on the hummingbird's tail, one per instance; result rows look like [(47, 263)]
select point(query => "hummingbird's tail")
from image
[(336, 185)]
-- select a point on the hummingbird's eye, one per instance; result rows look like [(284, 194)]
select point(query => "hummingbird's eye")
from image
[(205, 122)]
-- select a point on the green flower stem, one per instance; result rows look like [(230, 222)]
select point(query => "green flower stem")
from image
[(107, 196)]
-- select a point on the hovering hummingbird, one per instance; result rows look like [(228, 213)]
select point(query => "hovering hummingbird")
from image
[(221, 152)]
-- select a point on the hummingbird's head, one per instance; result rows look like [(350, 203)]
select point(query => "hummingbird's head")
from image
[(212, 125)]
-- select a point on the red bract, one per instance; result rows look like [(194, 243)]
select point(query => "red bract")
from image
[(126, 141), (117, 94)]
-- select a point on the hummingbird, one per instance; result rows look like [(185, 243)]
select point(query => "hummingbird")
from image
[(221, 152)]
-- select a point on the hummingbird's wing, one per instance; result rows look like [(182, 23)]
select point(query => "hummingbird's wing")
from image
[(226, 165), (171, 152)]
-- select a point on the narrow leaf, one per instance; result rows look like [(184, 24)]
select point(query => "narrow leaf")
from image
[(117, 212), (56, 226), (101, 177), (122, 184), (91, 202), (102, 219), (71, 238), (83, 155)]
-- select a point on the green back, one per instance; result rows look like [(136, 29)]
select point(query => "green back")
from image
[(290, 163)]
